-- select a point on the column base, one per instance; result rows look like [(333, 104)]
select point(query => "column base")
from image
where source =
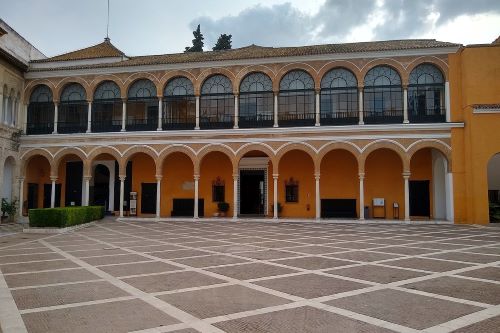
[(159, 129), (361, 123), (317, 124), (197, 128), (235, 127), (275, 126), (406, 122), (123, 130)]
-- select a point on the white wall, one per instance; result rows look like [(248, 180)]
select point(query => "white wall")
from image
[(439, 185)]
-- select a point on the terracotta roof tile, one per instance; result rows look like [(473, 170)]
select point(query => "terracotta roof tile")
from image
[(102, 50)]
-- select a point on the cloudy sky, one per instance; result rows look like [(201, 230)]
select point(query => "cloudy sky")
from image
[(165, 26)]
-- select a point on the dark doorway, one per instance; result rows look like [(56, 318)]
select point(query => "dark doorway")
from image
[(74, 177), (101, 186), (47, 192), (420, 198), (252, 192), (338, 208), (148, 198), (32, 195)]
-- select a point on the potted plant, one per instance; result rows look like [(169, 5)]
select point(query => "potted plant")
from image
[(9, 209), (223, 208)]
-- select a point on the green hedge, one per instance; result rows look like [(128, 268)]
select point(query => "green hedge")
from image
[(64, 216)]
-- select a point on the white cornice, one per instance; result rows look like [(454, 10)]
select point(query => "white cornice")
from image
[(82, 62), (243, 62)]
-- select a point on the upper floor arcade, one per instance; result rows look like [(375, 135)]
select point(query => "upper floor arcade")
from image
[(361, 89)]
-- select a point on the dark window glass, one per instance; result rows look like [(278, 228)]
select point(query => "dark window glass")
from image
[(292, 190)]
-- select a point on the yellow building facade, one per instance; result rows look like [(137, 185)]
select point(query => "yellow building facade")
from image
[(381, 130)]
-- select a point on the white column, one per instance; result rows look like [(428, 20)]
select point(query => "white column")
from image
[(122, 193), (275, 195), (1, 106), (89, 118), (160, 113), (406, 177), (158, 195), (86, 200), (276, 110), (361, 196), (53, 179), (197, 127), (405, 106), (235, 196), (361, 106), (124, 117), (450, 212), (318, 197), (24, 118), (56, 116), (196, 194), (317, 105), (236, 110), (447, 101), (21, 196)]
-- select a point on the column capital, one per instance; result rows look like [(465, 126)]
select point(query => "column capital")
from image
[(361, 175), (317, 176), (361, 87), (53, 178), (196, 177), (158, 178), (275, 175), (21, 179), (406, 174), (122, 177), (236, 176), (87, 178)]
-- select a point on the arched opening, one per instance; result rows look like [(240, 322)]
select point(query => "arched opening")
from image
[(8, 179), (217, 103), (143, 182), (37, 184), (255, 184), (296, 184), (384, 184), (494, 188), (339, 98), (105, 171), (426, 95), (142, 106), (101, 186), (107, 108), (177, 187), (296, 100), (179, 104), (339, 189), (70, 178), (256, 107), (73, 110), (40, 117), (216, 184), (383, 96)]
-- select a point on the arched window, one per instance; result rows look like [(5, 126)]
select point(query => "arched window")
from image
[(339, 98), (10, 109), (107, 108), (217, 103), (73, 110), (256, 101), (142, 106), (426, 95), (383, 96), (179, 104), (40, 117), (296, 99)]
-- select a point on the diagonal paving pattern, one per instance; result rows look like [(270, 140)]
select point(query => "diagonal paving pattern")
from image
[(252, 277)]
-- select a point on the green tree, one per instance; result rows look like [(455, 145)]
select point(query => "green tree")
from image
[(223, 43), (197, 41)]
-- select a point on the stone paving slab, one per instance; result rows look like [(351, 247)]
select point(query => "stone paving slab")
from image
[(251, 271), (211, 260), (313, 263), (377, 274), (426, 264), (37, 266), (491, 325), (138, 268), (487, 273), (42, 278)]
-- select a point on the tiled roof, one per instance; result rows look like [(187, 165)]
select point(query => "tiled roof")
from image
[(496, 41), (252, 52), (102, 50)]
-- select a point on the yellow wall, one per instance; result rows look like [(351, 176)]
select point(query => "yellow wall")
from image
[(37, 172), (299, 165), (177, 181), (143, 171), (339, 176), (474, 74), (215, 165)]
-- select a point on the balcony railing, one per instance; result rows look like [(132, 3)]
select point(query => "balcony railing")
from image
[(256, 121), (66, 127), (340, 118), (217, 122), (431, 115), (111, 125), (178, 123), (39, 128), (142, 124), (296, 119), (383, 117)]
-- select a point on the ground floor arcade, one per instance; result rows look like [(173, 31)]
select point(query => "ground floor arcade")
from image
[(339, 180)]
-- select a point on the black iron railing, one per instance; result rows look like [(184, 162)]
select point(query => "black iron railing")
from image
[(39, 128), (111, 125), (217, 121), (66, 127), (431, 115), (340, 118), (383, 117), (142, 124), (296, 119), (178, 123), (256, 121)]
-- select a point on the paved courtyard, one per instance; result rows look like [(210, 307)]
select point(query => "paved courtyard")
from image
[(251, 277)]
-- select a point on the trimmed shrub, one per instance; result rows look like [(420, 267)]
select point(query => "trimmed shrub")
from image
[(62, 217)]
